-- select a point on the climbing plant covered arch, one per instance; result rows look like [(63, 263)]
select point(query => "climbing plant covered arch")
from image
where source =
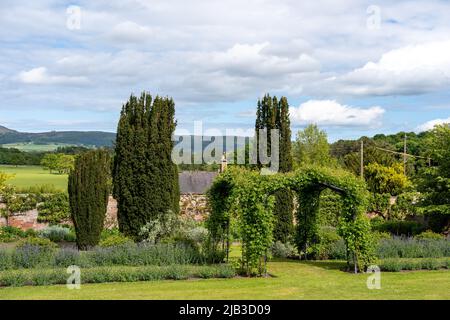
[(244, 198)]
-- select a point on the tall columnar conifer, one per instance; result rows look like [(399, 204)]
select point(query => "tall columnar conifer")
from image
[(274, 114), (145, 179), (88, 195), (284, 204)]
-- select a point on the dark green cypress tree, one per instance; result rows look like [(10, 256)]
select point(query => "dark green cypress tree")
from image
[(145, 179), (284, 203), (258, 125), (274, 114), (266, 117), (88, 196)]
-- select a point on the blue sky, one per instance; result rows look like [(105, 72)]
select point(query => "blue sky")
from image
[(353, 67)]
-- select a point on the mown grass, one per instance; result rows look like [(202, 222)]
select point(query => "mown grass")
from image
[(27, 176), (290, 280)]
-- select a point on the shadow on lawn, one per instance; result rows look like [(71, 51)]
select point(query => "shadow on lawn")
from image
[(324, 264), (327, 264)]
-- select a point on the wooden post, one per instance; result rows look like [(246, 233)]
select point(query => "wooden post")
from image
[(228, 240), (362, 160), (404, 155), (265, 264), (347, 254)]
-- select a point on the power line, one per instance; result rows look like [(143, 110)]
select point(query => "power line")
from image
[(402, 153)]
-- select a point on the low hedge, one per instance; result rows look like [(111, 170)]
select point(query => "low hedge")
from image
[(395, 265), (413, 248), (398, 247), (41, 277), (42, 253)]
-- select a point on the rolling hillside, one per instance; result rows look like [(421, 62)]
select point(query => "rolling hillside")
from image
[(88, 138), (85, 138)]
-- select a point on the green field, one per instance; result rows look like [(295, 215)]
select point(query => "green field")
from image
[(290, 280), (32, 147), (26, 176)]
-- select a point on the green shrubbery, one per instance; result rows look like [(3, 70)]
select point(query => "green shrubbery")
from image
[(39, 277), (53, 233), (58, 234), (430, 235), (283, 250), (395, 265), (325, 246), (177, 230), (11, 234), (112, 237), (399, 228)]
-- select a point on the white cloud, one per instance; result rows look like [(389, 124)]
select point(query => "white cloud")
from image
[(413, 69), (430, 124), (257, 60), (332, 113), (40, 75), (130, 31)]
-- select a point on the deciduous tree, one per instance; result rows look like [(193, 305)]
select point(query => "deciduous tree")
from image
[(311, 147)]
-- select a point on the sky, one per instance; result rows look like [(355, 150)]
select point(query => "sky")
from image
[(352, 67)]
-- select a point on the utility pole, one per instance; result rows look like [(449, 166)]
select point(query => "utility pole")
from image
[(404, 155), (362, 159)]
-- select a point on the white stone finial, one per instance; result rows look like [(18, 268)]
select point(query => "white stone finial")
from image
[(223, 165)]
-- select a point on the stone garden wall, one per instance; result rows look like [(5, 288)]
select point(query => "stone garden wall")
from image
[(193, 205)]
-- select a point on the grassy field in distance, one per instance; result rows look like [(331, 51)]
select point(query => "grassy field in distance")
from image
[(26, 176), (32, 147)]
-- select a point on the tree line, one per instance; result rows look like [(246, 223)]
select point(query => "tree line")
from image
[(16, 157)]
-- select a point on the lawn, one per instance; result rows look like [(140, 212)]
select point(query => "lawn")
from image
[(26, 176), (290, 280)]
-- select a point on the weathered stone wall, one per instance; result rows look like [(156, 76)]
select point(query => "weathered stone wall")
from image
[(193, 205), (24, 220), (111, 214)]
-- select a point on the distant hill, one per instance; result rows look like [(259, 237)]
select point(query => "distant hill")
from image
[(5, 130), (87, 138)]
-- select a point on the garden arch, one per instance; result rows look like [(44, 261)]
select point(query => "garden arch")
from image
[(244, 198)]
